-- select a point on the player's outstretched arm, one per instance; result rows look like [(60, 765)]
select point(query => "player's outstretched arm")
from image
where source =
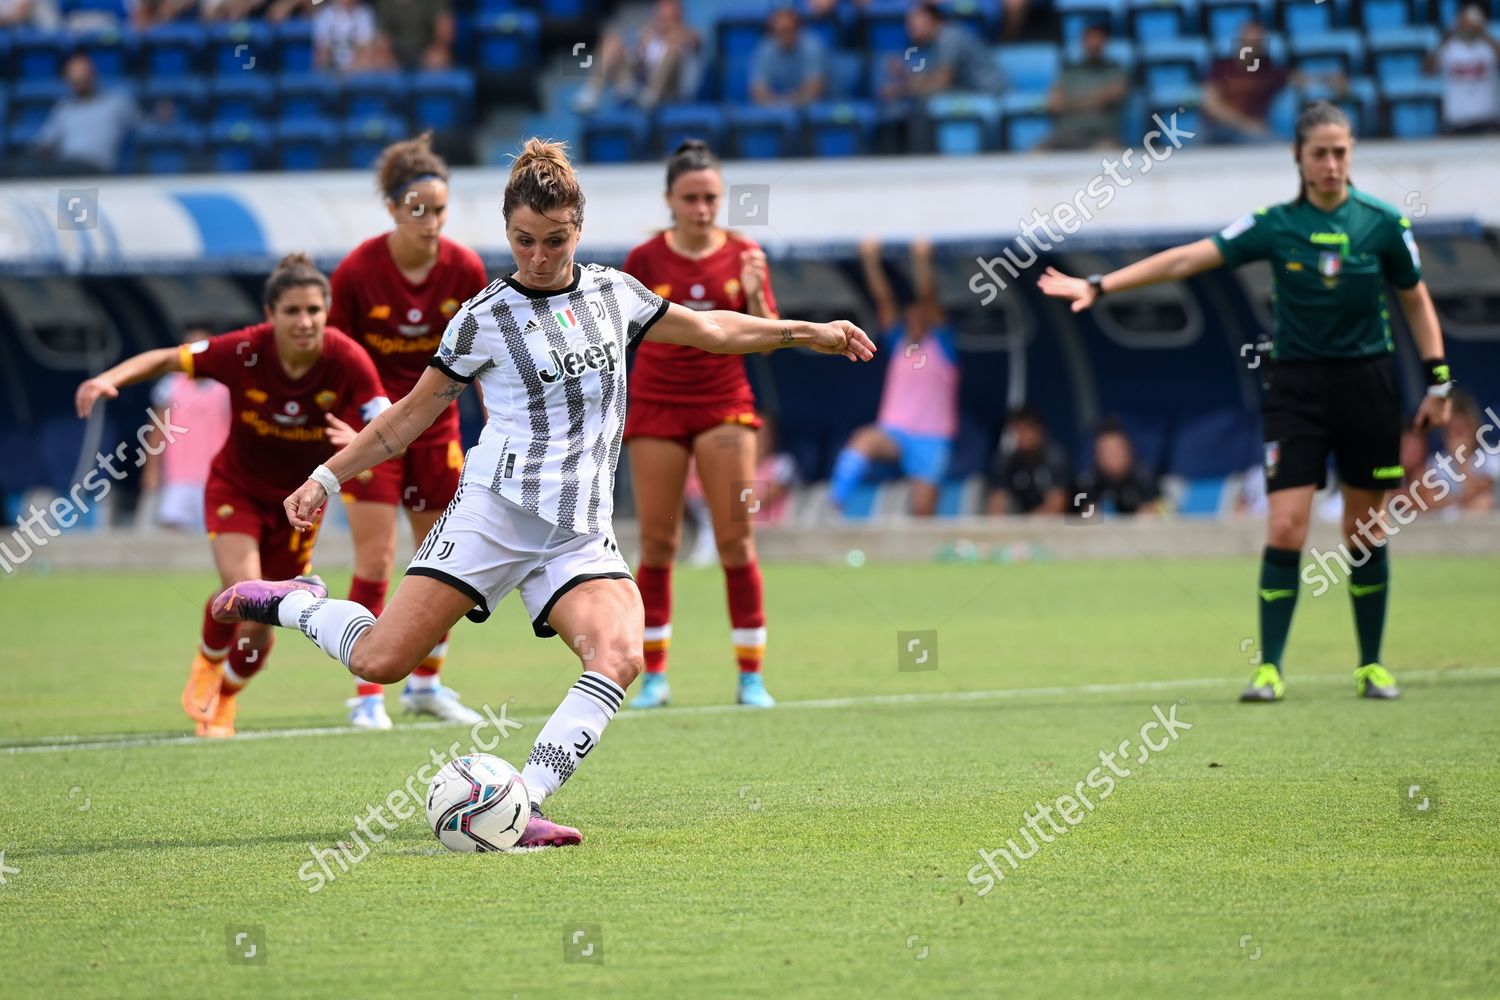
[(1416, 304), (387, 435), (1169, 265), (146, 365), (721, 331)]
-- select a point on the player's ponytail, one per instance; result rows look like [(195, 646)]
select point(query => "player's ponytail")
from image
[(296, 270), (690, 155), (409, 162), (542, 179), (1315, 114)]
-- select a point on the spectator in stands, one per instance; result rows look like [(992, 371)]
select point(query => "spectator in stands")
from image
[(418, 34), (149, 13), (241, 10), (84, 132), (1117, 484), (789, 66), (1463, 474), (655, 65), (1031, 473), (1467, 60), (948, 57), (1238, 93), (41, 14), (919, 405), (1087, 98), (177, 472), (344, 37)]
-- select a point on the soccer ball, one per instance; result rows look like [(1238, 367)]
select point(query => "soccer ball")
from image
[(477, 803)]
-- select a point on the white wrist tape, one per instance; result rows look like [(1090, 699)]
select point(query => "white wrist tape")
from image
[(325, 478)]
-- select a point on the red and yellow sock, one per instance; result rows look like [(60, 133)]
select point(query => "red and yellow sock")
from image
[(747, 615), (245, 661), (655, 583)]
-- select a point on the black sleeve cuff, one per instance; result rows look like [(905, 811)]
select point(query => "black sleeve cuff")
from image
[(640, 334), (455, 376)]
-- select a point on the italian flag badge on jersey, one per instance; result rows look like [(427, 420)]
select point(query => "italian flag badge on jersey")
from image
[(566, 319)]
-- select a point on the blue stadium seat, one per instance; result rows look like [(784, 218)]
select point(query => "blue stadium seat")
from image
[(311, 145), (376, 94), (364, 139), (294, 46), (242, 47), (1326, 52), (31, 101), (1222, 19), (173, 50), (560, 12), (964, 124), (241, 97), (840, 128), (739, 32), (174, 148), (1378, 15), (676, 122), (112, 50), (1028, 68), (1120, 50), (37, 55), (184, 97), (1153, 19), (980, 16), (442, 99), (304, 97), (238, 147), (757, 133), (494, 8), (509, 43), (1076, 15), (835, 31), (1173, 62), (1396, 54), (1166, 99), (1025, 121), (883, 26), (734, 78), (1307, 16), (1275, 45), (615, 136), (1413, 108), (846, 76)]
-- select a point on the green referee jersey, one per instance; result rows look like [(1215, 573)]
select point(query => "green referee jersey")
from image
[(1329, 271)]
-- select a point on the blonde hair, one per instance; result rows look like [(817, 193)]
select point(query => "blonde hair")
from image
[(542, 179), (295, 270)]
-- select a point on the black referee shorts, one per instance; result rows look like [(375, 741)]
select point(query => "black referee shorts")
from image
[(1349, 408)]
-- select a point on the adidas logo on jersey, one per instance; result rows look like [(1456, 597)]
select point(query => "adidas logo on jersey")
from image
[(579, 359)]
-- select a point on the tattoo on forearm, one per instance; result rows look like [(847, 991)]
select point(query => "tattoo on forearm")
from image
[(384, 443), (786, 335), (454, 390)]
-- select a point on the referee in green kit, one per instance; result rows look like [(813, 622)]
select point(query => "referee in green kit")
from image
[(1331, 383)]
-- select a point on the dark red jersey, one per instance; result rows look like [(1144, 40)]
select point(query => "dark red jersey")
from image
[(277, 430), (672, 373), (399, 323)]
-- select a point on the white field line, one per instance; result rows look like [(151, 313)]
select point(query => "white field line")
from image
[(125, 741)]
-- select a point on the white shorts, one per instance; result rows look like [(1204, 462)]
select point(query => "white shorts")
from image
[(486, 546)]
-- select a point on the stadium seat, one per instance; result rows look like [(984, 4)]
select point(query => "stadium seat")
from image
[(241, 97), (739, 32), (1166, 100), (1120, 50), (757, 133), (1379, 15), (363, 139), (1025, 121), (37, 55), (1155, 19), (172, 50), (1275, 45), (561, 13), (1181, 62), (238, 147), (980, 16), (615, 135), (1324, 52), (1413, 108), (375, 94), (310, 145), (1222, 19), (1297, 17), (442, 99), (883, 27), (294, 46), (1397, 54), (964, 124), (835, 30), (173, 148), (734, 78), (840, 128), (1076, 15), (846, 76), (112, 50), (181, 99), (31, 101), (509, 44), (495, 8), (676, 122), (240, 47), (304, 97), (1028, 68)]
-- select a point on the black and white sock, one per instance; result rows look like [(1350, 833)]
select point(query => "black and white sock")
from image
[(571, 734), (334, 625)]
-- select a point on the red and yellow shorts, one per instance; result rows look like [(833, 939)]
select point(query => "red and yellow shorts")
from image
[(284, 552), (424, 477), (682, 422)]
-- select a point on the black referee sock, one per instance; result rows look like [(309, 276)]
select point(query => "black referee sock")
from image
[(1278, 598), (1369, 586)]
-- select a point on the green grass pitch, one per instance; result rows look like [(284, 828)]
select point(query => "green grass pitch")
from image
[(822, 849)]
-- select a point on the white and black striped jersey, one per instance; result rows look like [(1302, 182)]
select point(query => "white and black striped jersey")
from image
[(552, 367)]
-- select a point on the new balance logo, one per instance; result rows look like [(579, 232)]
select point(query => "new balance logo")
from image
[(1276, 595), (580, 359)]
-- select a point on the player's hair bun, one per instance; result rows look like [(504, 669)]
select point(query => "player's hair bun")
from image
[(542, 179), (295, 270), (690, 155)]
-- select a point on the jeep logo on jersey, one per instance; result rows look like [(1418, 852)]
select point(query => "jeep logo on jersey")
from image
[(580, 358)]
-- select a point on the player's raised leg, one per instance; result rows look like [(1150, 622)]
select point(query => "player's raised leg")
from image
[(373, 527), (424, 693), (602, 621), (726, 464), (1286, 534), (1369, 587), (658, 470)]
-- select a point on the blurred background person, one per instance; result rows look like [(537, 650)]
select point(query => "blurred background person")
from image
[(344, 37), (177, 475), (948, 57), (1031, 472), (1240, 88), (84, 132), (416, 34), (1117, 483), (655, 64), (1088, 97), (40, 14), (789, 66), (1466, 60)]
